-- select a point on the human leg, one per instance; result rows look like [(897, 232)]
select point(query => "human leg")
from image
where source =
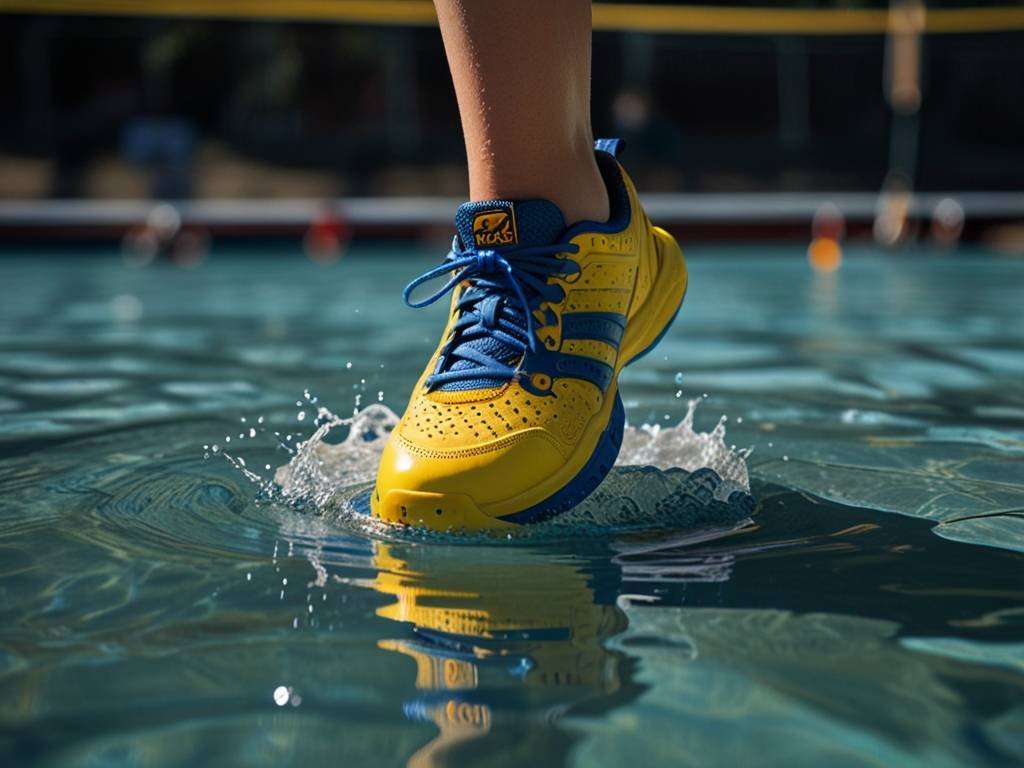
[(522, 78)]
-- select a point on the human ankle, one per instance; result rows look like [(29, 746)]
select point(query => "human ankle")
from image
[(586, 199), (576, 187)]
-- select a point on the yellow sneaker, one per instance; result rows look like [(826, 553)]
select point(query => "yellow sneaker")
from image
[(517, 416)]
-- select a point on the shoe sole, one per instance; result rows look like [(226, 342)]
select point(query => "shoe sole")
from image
[(672, 281)]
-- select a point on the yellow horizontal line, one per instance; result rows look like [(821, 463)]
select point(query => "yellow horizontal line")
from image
[(962, 20), (608, 16), (409, 12), (748, 21)]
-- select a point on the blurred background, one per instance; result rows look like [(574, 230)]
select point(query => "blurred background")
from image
[(327, 119)]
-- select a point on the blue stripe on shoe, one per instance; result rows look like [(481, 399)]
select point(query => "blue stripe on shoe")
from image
[(586, 368), (599, 326)]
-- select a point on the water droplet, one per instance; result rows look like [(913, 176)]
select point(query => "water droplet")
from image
[(301, 415), (785, 458), (252, 431), (380, 396), (348, 365), (679, 378), (285, 581), (248, 577), (259, 420), (281, 695)]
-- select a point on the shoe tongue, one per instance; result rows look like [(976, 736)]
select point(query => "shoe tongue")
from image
[(502, 224)]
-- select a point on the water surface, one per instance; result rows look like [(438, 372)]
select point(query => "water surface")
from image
[(869, 610)]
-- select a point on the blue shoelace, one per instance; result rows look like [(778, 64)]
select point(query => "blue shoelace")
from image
[(496, 310)]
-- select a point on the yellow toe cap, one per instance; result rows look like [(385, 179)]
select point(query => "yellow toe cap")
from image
[(468, 489)]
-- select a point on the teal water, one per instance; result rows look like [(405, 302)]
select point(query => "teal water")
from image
[(154, 611)]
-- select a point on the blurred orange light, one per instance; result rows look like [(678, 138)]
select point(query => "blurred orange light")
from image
[(824, 254)]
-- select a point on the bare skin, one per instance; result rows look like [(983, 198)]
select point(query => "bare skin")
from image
[(522, 78)]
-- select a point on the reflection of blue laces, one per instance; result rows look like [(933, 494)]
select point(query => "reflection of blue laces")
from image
[(489, 321)]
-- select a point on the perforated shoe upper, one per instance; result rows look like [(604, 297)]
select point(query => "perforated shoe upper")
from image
[(521, 384)]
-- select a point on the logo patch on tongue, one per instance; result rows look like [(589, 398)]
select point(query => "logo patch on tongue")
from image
[(495, 227)]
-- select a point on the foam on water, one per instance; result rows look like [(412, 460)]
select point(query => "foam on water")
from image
[(664, 478)]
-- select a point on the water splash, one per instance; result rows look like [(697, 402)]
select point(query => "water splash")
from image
[(682, 447), (665, 477), (321, 473)]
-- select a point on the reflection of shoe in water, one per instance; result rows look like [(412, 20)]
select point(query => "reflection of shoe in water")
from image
[(517, 416), (522, 617), (498, 638)]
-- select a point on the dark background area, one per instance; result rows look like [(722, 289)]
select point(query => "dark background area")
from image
[(100, 107)]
